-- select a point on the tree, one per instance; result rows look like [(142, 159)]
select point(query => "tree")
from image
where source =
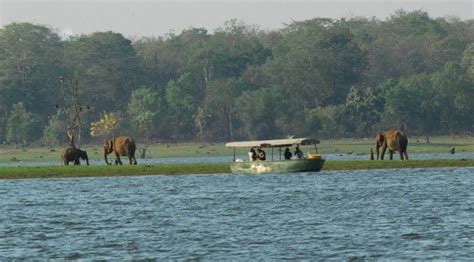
[(144, 111), (72, 109), (402, 46), (468, 60), (22, 126), (316, 62), (233, 48), (325, 121), (454, 95), (410, 104), (256, 111), (398, 104), (181, 99), (218, 110), (30, 64), (107, 66), (363, 108), (106, 125), (54, 131)]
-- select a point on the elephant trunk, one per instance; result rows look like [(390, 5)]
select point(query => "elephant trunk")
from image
[(87, 160)]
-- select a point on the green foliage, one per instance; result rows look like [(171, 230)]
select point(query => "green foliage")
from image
[(468, 60), (325, 121), (363, 110), (316, 62), (23, 127), (106, 64), (55, 131), (106, 125), (257, 110), (143, 110), (320, 77), (181, 100), (218, 110), (30, 57), (455, 93), (402, 101)]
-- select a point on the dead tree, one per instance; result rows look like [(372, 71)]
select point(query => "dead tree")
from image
[(72, 109)]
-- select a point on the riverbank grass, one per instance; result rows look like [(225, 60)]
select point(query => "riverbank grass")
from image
[(440, 144), (205, 168)]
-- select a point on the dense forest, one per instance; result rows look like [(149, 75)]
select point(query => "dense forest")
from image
[(320, 78)]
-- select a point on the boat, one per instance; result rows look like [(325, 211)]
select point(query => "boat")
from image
[(311, 162)]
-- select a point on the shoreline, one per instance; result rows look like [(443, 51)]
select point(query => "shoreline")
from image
[(29, 172)]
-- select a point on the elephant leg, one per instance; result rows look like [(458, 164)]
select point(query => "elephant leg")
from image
[(132, 160), (401, 155), (77, 162), (383, 152), (390, 152), (406, 154), (117, 159)]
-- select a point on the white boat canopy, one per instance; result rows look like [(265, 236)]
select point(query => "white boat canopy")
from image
[(274, 143)]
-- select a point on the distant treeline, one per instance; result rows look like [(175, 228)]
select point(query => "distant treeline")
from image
[(320, 77)]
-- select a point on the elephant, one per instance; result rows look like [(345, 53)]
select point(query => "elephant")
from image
[(73, 154), (122, 146), (394, 140)]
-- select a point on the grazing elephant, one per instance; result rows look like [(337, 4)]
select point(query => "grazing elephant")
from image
[(121, 146), (73, 154), (394, 140)]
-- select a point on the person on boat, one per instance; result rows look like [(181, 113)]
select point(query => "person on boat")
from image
[(287, 154), (261, 155), (252, 154), (298, 153)]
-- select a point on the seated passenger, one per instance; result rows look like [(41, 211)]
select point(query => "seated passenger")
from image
[(252, 154), (298, 153), (287, 154), (261, 155)]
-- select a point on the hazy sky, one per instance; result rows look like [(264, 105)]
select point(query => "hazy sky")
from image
[(136, 18)]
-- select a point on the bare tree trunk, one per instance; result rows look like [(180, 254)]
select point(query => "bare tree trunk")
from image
[(142, 151), (73, 110)]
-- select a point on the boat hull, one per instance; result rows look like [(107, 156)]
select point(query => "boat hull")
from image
[(286, 166)]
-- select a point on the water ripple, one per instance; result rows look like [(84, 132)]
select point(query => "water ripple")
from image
[(407, 214)]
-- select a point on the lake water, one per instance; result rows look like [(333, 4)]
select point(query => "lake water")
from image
[(406, 214)]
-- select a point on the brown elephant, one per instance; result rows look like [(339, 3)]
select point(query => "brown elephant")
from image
[(121, 146), (73, 154), (394, 140)]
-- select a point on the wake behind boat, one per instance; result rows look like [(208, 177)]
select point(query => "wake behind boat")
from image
[(311, 162)]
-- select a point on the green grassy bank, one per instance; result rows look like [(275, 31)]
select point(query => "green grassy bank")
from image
[(386, 164), (99, 171), (163, 150), (206, 168)]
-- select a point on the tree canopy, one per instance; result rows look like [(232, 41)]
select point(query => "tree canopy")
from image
[(321, 77)]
